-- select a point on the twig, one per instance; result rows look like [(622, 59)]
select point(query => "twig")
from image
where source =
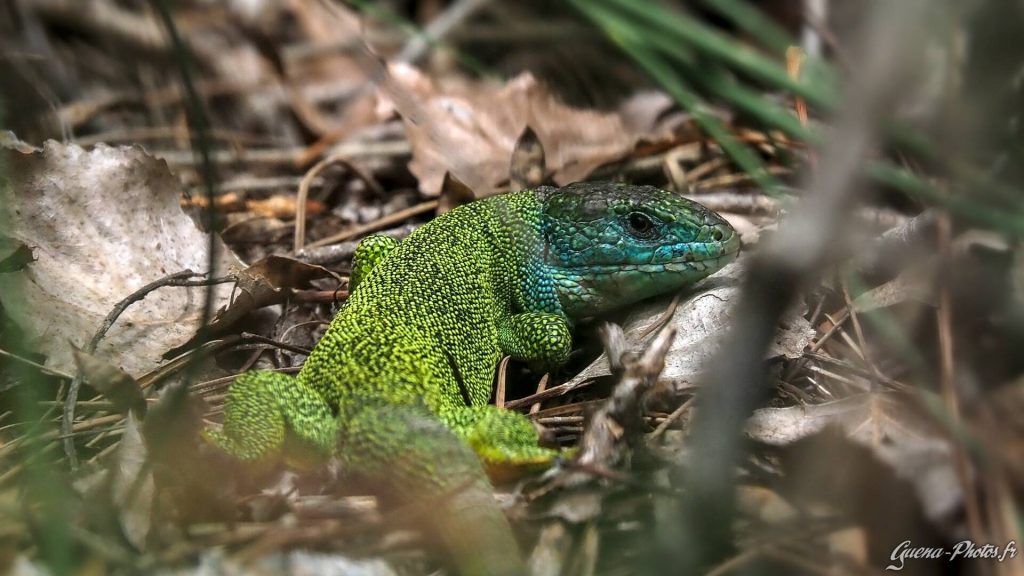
[(737, 202), (384, 222), (541, 386), (675, 415), (106, 20), (182, 278), (499, 392), (286, 156), (703, 169), (663, 319), (319, 296), (344, 251), (135, 134), (454, 15), (40, 367), (300, 202), (210, 386), (246, 336), (618, 422), (837, 323), (732, 180), (67, 421), (861, 342), (559, 390)]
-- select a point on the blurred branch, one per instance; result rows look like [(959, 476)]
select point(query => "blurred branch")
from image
[(457, 13), (104, 19), (817, 234)]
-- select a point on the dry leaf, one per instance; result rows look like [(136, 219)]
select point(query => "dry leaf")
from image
[(131, 485), (894, 430), (454, 193), (701, 321), (115, 385), (326, 75), (266, 282), (528, 165), (103, 223), (17, 260), (471, 130)]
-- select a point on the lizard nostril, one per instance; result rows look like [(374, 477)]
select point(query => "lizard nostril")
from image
[(717, 235)]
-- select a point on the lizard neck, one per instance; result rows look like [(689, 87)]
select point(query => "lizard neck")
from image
[(519, 249)]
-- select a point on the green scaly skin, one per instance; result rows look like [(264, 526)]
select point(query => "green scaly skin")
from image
[(398, 387)]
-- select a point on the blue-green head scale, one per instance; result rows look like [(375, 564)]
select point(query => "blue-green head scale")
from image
[(611, 244)]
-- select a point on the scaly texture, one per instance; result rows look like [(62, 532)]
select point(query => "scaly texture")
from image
[(409, 361)]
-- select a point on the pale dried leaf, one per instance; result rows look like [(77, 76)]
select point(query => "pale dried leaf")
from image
[(103, 223), (701, 321), (213, 562), (893, 429), (131, 485)]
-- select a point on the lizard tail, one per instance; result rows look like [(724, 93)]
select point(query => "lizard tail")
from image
[(412, 458)]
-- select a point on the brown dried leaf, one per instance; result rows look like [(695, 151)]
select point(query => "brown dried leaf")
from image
[(326, 75), (471, 130), (267, 282), (453, 193), (115, 385), (528, 165)]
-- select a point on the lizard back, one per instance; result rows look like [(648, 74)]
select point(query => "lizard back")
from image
[(422, 324)]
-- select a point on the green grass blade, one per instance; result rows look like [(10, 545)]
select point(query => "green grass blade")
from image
[(626, 37)]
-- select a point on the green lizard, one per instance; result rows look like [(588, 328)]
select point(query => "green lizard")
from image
[(408, 363)]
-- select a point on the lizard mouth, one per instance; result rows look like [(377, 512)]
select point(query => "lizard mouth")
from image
[(682, 257)]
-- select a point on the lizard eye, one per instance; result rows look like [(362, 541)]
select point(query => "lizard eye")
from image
[(640, 225)]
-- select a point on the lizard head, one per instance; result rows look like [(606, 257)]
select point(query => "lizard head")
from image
[(610, 244)]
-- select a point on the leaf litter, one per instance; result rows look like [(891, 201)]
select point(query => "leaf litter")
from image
[(100, 223)]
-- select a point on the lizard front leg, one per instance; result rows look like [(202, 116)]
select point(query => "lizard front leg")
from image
[(540, 339), (505, 440), (370, 252)]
